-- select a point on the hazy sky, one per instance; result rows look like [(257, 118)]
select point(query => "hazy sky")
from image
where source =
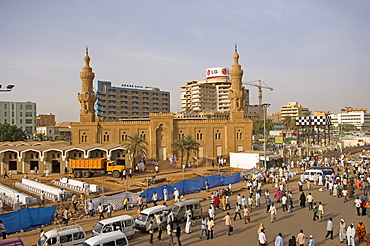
[(314, 52)]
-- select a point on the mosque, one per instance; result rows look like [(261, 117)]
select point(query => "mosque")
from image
[(94, 138)]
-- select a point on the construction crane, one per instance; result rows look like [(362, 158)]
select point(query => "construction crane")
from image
[(259, 86)]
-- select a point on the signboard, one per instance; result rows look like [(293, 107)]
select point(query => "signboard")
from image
[(217, 72), (279, 140)]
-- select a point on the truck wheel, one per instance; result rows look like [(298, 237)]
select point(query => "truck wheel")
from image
[(116, 174), (77, 173), (86, 174)]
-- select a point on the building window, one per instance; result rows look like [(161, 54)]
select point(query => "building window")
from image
[(28, 106), (239, 135), (199, 135), (181, 135), (20, 121), (84, 138), (5, 114), (28, 121), (142, 135), (106, 137), (21, 114), (124, 136), (218, 135)]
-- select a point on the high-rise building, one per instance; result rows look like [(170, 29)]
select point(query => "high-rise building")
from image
[(293, 109), (21, 114), (211, 94), (129, 101)]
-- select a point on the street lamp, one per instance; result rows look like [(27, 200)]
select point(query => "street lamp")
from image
[(8, 88), (265, 106)]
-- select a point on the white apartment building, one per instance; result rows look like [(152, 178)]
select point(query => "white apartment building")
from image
[(209, 95), (21, 114), (361, 119), (293, 109)]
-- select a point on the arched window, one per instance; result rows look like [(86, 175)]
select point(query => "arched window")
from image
[(218, 135), (181, 135), (106, 137), (124, 136), (199, 135)]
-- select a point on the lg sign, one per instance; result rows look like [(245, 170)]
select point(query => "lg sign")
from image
[(217, 72)]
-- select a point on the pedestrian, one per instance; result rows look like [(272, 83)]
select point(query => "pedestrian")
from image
[(47, 172), (246, 215), (110, 210), (6, 174), (345, 194), (158, 218), (90, 208), (210, 227), (65, 218), (312, 241), (309, 199), (301, 238), (176, 194), (169, 233), (258, 197), (315, 210), (151, 231), (279, 240), (156, 169), (126, 203), (154, 198), (227, 200), (308, 183), (357, 204), (130, 173), (35, 170), (351, 233), (268, 203), (211, 212), (273, 213), (207, 184), (262, 238), (203, 227), (329, 228), (321, 211), (361, 231), (292, 241), (3, 229), (342, 231), (237, 211), (227, 220), (101, 210), (189, 223), (42, 198), (178, 234), (165, 193), (123, 174), (302, 200), (74, 202), (1, 206), (284, 200)]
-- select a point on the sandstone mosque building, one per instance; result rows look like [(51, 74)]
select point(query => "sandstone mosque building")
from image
[(94, 138), (215, 136)]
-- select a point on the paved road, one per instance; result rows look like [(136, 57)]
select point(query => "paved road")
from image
[(287, 224)]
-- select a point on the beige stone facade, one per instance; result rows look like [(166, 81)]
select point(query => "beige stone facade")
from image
[(215, 136)]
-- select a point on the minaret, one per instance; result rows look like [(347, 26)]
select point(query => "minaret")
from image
[(236, 94), (87, 97)]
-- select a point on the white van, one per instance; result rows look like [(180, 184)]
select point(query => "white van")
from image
[(309, 174), (143, 219), (125, 223), (114, 238), (179, 209), (72, 235)]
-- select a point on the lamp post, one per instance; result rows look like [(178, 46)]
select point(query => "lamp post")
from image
[(265, 106), (8, 88)]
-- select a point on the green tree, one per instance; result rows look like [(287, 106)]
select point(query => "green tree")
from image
[(348, 127), (289, 123), (11, 133), (258, 125), (187, 145), (40, 137), (136, 146)]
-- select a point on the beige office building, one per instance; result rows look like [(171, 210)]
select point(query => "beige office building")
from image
[(293, 109)]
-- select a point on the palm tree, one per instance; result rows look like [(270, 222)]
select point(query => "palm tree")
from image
[(191, 146), (136, 146), (179, 144), (186, 145)]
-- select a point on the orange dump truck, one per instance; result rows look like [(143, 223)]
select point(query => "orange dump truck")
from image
[(87, 167)]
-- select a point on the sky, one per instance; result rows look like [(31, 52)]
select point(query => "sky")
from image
[(313, 52)]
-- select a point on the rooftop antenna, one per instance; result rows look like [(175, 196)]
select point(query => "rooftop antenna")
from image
[(87, 49), (236, 47)]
